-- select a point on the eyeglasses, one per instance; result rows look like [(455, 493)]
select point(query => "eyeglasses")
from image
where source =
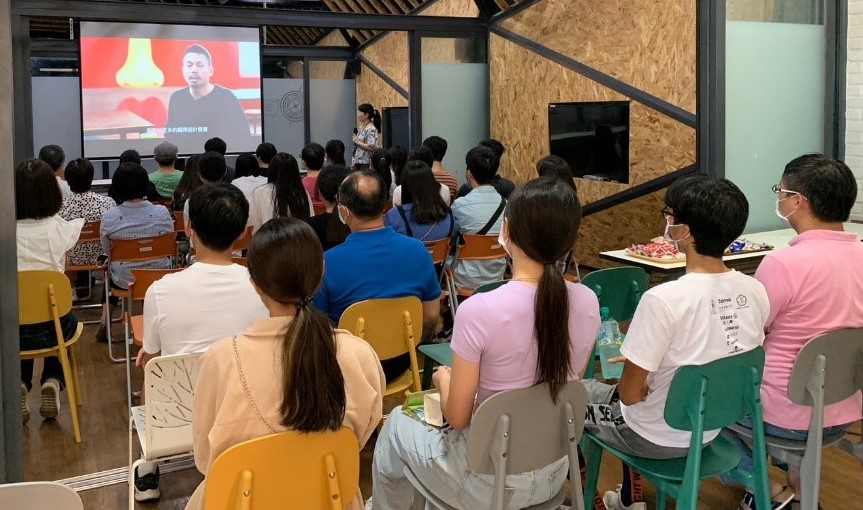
[(777, 190), (666, 213)]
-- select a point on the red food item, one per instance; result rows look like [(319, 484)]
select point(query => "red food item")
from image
[(656, 250)]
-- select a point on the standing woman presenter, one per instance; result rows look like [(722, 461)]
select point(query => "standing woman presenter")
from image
[(366, 137)]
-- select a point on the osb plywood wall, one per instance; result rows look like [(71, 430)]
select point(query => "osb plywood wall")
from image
[(649, 44), (327, 70)]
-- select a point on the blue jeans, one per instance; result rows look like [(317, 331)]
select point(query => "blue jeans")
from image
[(746, 462), (439, 459)]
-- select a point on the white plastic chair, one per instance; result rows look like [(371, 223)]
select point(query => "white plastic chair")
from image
[(164, 422), (39, 496)]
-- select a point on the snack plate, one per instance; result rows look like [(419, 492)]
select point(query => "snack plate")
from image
[(683, 259)]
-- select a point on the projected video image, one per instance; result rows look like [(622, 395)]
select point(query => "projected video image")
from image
[(142, 83)]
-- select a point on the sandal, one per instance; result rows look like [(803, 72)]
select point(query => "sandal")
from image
[(779, 501)]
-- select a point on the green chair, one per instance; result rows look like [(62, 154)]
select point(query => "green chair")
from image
[(705, 397), (619, 289), (441, 354)]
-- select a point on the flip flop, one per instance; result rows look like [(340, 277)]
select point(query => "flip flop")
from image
[(779, 501)]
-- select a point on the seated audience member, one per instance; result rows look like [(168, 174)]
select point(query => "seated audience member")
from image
[(481, 213), (132, 156), (85, 204), (334, 153), (503, 186), (264, 154), (213, 288), (248, 175), (808, 285), (424, 215), (313, 159), (325, 379), (423, 154), (677, 324), (551, 325), (216, 144), (55, 157), (330, 229), (166, 178), (43, 238), (189, 182), (211, 170), (284, 195), (438, 147), (133, 218), (398, 160), (556, 166), (393, 265), (381, 163)]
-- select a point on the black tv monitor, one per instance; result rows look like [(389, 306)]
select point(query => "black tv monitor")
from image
[(592, 137)]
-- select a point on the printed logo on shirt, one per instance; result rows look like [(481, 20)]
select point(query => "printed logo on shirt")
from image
[(742, 302)]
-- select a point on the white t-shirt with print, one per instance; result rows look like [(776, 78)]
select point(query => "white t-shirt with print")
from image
[(692, 321), (188, 311)]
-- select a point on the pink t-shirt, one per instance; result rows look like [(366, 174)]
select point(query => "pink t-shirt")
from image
[(814, 287), (495, 329), (309, 183)]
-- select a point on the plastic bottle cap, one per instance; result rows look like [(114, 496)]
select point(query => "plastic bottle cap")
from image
[(604, 313)]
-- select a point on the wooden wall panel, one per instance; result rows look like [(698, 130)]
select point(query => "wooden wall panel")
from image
[(452, 8), (524, 83), (649, 44), (328, 70)]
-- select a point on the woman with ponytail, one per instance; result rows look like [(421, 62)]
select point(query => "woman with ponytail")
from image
[(291, 371), (283, 195), (536, 329), (366, 137)]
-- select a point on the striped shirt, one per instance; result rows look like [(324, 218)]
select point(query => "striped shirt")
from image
[(134, 221), (447, 179)]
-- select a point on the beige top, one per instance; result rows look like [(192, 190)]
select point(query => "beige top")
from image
[(223, 416)]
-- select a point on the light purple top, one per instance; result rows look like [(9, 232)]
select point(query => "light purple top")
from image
[(495, 329)]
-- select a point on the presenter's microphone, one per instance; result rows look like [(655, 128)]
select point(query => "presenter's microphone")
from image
[(355, 133)]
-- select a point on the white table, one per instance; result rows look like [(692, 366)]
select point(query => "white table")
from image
[(777, 238)]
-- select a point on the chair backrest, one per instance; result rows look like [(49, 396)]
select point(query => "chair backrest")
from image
[(243, 261), (439, 250), (386, 324), (39, 496), (522, 430), (319, 470), (143, 278), (90, 232), (179, 221), (842, 367), (43, 296), (144, 249), (170, 390), (488, 287), (242, 242), (619, 289), (319, 208), (718, 393), (477, 247)]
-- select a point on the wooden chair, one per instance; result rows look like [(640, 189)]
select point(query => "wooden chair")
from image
[(519, 431), (179, 222), (286, 470), (90, 233), (392, 327), (164, 422), (319, 208), (141, 281), (39, 496), (439, 251), (242, 242), (45, 296), (243, 261), (134, 250), (475, 248)]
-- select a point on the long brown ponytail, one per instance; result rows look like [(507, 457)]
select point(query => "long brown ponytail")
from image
[(286, 263)]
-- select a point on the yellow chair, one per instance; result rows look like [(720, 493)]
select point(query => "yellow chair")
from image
[(45, 296), (392, 327), (319, 470)]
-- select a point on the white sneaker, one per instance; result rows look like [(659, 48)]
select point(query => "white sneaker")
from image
[(25, 409), (611, 500), (50, 399)]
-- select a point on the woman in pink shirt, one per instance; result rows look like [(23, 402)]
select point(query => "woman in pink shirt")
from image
[(536, 329)]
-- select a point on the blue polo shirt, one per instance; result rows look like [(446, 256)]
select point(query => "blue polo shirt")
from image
[(375, 264)]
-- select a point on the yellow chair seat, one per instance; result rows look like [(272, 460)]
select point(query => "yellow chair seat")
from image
[(41, 353), (401, 385)]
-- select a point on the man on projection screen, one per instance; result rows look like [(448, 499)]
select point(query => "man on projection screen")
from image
[(203, 109)]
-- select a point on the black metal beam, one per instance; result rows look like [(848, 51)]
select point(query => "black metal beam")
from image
[(487, 8), (307, 102), (22, 86), (239, 16), (835, 89), (415, 104), (378, 36), (662, 106), (638, 191), (54, 48), (512, 11), (710, 87), (384, 76), (312, 52)]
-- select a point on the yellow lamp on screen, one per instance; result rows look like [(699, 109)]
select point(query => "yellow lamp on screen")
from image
[(140, 71)]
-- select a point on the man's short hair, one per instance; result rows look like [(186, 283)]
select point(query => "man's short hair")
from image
[(313, 156), (265, 152), (482, 163), (212, 166), (216, 144), (437, 145), (218, 214), (199, 50), (828, 185), (130, 156), (494, 145), (714, 209), (130, 182), (37, 194), (53, 155), (79, 175), (367, 203), (422, 153)]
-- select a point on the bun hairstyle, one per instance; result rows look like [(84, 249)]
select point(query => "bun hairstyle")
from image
[(373, 114)]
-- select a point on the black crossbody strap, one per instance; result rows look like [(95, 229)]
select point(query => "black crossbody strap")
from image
[(404, 216), (484, 230)]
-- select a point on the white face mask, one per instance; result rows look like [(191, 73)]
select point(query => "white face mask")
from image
[(673, 242), (502, 242), (339, 212), (779, 214)]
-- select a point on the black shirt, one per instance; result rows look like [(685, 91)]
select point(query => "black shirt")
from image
[(319, 225), (220, 112), (504, 187)]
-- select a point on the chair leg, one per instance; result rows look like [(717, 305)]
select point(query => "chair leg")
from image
[(70, 394), (593, 459), (73, 362), (809, 482), (661, 499)]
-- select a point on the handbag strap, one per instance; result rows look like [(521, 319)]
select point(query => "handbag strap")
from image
[(484, 230), (404, 216), (246, 388)]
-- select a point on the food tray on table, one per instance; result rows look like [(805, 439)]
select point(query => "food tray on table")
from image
[(660, 251)]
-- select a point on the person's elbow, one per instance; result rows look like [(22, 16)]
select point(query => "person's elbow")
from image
[(459, 423), (431, 311), (633, 384)]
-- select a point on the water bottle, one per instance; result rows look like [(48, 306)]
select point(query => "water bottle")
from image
[(609, 341)]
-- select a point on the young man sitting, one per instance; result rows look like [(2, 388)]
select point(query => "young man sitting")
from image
[(710, 313)]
